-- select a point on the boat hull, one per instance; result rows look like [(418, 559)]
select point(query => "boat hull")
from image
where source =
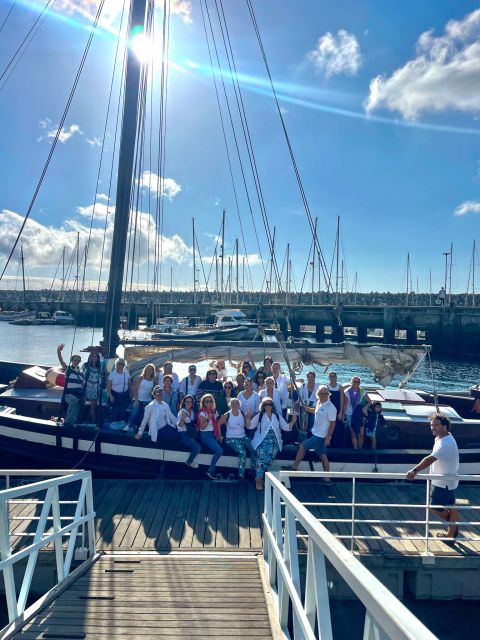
[(108, 453)]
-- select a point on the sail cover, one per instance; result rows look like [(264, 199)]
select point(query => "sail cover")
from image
[(385, 361)]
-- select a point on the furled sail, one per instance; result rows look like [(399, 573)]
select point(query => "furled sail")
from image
[(385, 361)]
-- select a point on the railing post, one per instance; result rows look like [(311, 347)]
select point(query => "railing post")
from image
[(352, 534), (91, 523), (427, 516), (57, 525), (290, 555), (317, 603), (6, 552)]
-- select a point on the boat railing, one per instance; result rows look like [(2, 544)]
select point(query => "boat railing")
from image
[(302, 598), (414, 524), (50, 527)]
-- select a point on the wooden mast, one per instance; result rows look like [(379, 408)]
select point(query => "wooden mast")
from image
[(124, 183)]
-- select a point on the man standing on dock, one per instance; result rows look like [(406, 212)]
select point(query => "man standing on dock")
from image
[(444, 461)]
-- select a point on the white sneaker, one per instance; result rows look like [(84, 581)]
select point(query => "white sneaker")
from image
[(193, 465)]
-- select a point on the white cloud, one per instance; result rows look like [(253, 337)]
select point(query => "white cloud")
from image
[(99, 211), (167, 187), (469, 206), (336, 54), (43, 245), (445, 74), (102, 196), (94, 142), (51, 132), (112, 9)]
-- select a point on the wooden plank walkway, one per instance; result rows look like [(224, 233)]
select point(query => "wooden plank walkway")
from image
[(163, 515), (166, 597), (387, 494)]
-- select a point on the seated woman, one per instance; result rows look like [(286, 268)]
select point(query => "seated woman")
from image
[(267, 441), (119, 387), (249, 399), (185, 424), (142, 395), (210, 433), (170, 394), (162, 424), (259, 381), (271, 392), (236, 437), (219, 366)]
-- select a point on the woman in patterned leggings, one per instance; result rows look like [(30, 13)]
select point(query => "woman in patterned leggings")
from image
[(236, 438)]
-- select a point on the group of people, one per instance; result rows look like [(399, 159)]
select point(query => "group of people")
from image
[(246, 413)]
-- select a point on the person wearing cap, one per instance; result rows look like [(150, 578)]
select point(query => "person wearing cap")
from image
[(189, 385), (323, 427), (162, 424), (119, 388), (168, 371)]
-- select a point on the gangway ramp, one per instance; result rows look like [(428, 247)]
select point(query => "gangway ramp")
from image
[(172, 596)]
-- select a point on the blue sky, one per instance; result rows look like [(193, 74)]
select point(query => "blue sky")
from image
[(380, 99)]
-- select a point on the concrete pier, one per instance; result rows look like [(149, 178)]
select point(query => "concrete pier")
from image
[(453, 330)]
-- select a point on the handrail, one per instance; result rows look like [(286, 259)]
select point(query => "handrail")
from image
[(354, 520), (385, 614), (50, 518)]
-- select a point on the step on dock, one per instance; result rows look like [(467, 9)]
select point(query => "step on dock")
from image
[(175, 596)]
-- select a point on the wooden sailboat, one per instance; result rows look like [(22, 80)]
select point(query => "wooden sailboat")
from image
[(30, 433)]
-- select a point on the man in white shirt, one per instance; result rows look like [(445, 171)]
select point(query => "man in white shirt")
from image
[(443, 461), (189, 385), (323, 427), (162, 424)]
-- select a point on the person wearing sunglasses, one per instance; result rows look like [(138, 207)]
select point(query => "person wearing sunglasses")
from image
[(210, 432), (236, 438), (189, 385), (162, 424), (259, 381), (74, 389), (267, 441), (322, 430)]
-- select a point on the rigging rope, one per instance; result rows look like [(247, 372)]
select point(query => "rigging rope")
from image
[(40, 19), (57, 135), (290, 149), (8, 15)]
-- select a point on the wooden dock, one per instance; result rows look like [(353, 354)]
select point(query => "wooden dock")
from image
[(164, 597), (165, 516), (388, 539)]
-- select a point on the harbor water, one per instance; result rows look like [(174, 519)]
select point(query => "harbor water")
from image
[(38, 344)]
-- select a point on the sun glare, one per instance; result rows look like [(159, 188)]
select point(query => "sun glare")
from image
[(142, 48)]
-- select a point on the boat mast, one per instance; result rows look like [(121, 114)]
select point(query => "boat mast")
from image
[(355, 288), (313, 261), (23, 277), (124, 183), (236, 266), (194, 266), (473, 273), (408, 279), (450, 275), (430, 286), (272, 254), (222, 257), (337, 243)]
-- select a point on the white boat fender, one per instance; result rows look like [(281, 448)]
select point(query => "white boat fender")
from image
[(55, 377)]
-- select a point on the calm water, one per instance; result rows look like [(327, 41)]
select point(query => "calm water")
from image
[(38, 345)]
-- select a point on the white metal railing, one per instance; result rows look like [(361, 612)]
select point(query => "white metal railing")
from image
[(49, 529), (308, 602), (409, 525)]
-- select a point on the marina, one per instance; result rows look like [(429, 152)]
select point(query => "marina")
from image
[(244, 451)]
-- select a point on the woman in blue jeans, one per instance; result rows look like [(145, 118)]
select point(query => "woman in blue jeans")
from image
[(210, 433), (186, 416)]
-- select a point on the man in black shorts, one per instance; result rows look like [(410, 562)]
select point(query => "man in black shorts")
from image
[(444, 461)]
